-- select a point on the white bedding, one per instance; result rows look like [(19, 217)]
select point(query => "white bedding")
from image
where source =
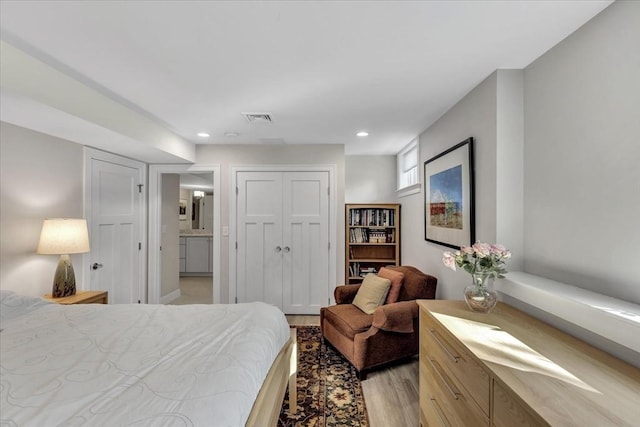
[(156, 365)]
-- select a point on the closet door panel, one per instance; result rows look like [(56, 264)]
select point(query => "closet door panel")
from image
[(259, 254), (306, 235)]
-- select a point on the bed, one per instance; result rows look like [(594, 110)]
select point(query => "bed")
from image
[(160, 365)]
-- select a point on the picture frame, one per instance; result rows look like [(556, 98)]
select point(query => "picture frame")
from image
[(182, 210), (449, 197)]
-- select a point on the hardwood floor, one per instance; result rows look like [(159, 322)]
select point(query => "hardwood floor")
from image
[(391, 394)]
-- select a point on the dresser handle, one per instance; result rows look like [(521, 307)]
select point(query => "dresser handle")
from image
[(435, 334), (436, 367), (439, 413)]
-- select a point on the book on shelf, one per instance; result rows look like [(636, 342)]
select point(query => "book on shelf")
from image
[(366, 270), (372, 217), (359, 235)]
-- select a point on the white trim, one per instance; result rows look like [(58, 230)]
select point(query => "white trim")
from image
[(155, 199), (333, 206), (170, 297), (92, 153), (409, 190), (611, 318)]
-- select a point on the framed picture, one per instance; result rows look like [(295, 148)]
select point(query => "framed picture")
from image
[(182, 210), (449, 211)]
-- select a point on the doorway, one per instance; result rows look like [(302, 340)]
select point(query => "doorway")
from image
[(196, 254), (184, 237)]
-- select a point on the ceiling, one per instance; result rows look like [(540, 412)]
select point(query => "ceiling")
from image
[(323, 70)]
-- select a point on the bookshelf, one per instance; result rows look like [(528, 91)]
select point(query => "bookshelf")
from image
[(372, 239)]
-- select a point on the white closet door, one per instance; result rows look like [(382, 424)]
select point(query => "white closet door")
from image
[(305, 242), (259, 237), (283, 239)]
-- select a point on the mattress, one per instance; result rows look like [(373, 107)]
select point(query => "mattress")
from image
[(156, 365)]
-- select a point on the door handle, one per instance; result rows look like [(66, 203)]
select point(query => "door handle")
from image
[(96, 265), (287, 249), (278, 249)]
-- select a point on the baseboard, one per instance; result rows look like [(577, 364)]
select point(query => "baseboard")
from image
[(170, 297)]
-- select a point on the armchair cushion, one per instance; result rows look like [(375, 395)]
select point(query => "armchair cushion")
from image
[(372, 293), (396, 278), (396, 317), (348, 319)]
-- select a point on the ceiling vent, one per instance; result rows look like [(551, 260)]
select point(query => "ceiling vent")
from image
[(257, 117)]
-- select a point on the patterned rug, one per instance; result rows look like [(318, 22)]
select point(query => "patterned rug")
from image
[(329, 393)]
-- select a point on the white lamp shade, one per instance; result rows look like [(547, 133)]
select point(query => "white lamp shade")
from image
[(63, 236)]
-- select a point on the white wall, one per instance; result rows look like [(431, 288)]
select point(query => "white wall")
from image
[(242, 155), (474, 115), (170, 232), (370, 179), (557, 175), (582, 157), (40, 177)]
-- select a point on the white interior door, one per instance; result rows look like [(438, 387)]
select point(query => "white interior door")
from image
[(116, 232), (282, 255), (306, 242), (259, 237)]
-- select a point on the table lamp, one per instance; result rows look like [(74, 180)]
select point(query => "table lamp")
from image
[(64, 236)]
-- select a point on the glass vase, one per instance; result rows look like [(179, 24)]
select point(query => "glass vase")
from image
[(479, 296)]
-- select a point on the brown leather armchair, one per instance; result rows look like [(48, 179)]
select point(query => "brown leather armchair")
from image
[(389, 334)]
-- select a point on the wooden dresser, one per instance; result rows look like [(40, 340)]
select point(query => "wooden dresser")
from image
[(507, 369)]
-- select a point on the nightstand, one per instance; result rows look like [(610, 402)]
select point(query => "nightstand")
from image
[(81, 297)]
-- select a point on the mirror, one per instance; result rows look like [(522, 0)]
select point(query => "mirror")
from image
[(196, 202)]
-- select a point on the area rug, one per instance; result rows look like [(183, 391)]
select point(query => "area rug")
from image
[(329, 392)]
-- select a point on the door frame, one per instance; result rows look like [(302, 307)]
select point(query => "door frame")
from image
[(233, 236), (155, 224), (89, 155)]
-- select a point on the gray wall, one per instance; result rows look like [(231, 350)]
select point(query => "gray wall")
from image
[(370, 179), (478, 115), (242, 155), (582, 157), (40, 177), (170, 234), (557, 162), (557, 175)]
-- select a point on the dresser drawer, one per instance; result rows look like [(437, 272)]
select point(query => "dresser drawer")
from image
[(507, 412), (431, 415), (456, 361), (444, 401)]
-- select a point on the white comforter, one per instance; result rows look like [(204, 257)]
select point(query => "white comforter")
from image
[(156, 365)]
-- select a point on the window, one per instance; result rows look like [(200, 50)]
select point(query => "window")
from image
[(407, 159)]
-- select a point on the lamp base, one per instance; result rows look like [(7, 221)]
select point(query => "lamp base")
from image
[(64, 282)]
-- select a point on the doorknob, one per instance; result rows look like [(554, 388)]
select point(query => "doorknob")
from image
[(278, 249), (287, 249), (96, 266)]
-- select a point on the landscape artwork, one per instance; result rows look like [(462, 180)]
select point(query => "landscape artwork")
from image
[(446, 198), (449, 211)]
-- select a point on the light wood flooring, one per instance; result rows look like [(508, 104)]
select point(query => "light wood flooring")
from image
[(390, 394)]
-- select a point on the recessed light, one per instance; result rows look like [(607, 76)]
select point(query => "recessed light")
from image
[(231, 134), (203, 135), (362, 133)]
